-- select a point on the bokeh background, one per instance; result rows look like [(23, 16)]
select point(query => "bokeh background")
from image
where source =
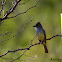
[(47, 12)]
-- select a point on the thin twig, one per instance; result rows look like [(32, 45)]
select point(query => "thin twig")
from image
[(23, 27), (19, 56), (32, 40), (2, 6), (5, 33), (24, 2), (24, 11)]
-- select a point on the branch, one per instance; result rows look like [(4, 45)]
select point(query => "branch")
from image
[(53, 37), (28, 47), (24, 2), (19, 56), (11, 10), (24, 11), (5, 33), (2, 6)]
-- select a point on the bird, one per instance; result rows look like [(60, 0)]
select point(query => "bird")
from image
[(41, 35)]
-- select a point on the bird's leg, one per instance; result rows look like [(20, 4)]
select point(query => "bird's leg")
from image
[(40, 41)]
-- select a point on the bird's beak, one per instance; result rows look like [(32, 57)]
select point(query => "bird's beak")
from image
[(34, 26)]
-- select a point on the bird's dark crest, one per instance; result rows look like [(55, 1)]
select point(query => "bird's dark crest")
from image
[(38, 24)]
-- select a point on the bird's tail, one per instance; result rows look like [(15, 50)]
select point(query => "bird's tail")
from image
[(45, 47)]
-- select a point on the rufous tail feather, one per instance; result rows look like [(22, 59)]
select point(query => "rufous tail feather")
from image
[(45, 47)]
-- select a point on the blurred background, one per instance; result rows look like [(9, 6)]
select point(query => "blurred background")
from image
[(47, 12)]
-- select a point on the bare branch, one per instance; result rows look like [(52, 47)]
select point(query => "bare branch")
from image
[(24, 2), (12, 9), (25, 11), (53, 37), (29, 46), (19, 56), (2, 6), (15, 3), (32, 40), (5, 33)]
